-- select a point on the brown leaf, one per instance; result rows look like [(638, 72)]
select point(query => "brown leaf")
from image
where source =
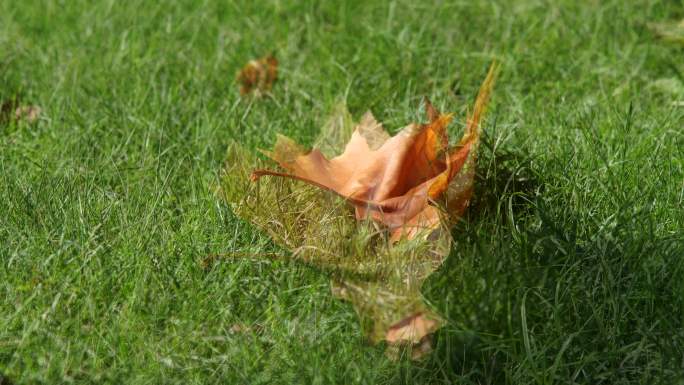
[(11, 109), (27, 113), (394, 180), (258, 75)]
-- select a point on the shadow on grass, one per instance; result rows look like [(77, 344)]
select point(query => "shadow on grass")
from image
[(505, 184), (537, 291)]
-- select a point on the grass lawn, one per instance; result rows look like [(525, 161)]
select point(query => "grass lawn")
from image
[(568, 268)]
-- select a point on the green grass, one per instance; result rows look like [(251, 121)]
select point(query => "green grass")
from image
[(569, 267)]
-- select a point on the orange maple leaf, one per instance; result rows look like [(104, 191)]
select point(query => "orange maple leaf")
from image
[(398, 181), (258, 75)]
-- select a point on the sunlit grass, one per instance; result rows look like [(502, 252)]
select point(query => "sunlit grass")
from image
[(568, 268)]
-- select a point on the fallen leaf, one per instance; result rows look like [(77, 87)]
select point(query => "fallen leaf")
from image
[(258, 75), (393, 180), (405, 192), (11, 109), (27, 113)]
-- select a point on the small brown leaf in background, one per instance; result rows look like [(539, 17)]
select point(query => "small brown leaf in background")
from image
[(12, 110), (27, 113), (258, 76)]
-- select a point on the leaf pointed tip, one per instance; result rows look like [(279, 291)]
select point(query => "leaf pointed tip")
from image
[(430, 110), (483, 97)]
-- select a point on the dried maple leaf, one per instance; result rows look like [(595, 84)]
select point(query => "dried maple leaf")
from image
[(394, 180), (258, 75), (412, 185)]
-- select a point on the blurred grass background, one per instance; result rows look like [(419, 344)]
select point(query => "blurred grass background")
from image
[(569, 268)]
